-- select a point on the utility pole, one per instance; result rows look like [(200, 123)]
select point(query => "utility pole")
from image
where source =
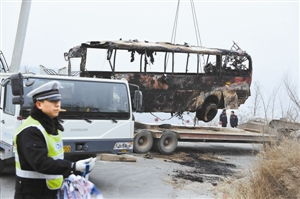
[(20, 36)]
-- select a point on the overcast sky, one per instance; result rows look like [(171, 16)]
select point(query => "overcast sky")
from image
[(267, 30)]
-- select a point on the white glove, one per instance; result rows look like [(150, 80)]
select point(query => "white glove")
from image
[(83, 165)]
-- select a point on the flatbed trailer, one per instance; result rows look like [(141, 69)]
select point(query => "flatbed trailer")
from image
[(164, 138)]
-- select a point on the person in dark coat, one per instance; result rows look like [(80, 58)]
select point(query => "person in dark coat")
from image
[(233, 120), (40, 167), (223, 118)]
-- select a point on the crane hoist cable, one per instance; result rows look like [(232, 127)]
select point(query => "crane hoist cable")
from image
[(195, 21), (174, 31), (196, 27), (197, 31)]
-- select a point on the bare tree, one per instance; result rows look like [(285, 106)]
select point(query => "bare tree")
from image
[(291, 91), (282, 109), (273, 99), (292, 114), (265, 104), (272, 106), (269, 103), (256, 102)]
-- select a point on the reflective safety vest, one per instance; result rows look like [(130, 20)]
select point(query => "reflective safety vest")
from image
[(55, 151)]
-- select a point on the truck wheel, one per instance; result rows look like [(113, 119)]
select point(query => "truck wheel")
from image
[(167, 143), (143, 142)]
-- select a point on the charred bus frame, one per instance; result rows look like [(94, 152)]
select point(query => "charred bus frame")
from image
[(221, 82)]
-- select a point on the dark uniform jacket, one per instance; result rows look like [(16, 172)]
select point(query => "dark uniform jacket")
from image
[(223, 119), (233, 121), (33, 156)]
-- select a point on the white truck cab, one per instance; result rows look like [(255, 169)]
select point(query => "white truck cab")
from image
[(96, 113)]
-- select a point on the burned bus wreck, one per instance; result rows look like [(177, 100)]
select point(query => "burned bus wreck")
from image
[(173, 78)]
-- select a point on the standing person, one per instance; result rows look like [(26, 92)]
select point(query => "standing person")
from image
[(233, 120), (39, 154), (223, 118)]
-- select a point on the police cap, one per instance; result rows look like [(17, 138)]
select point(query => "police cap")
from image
[(48, 91)]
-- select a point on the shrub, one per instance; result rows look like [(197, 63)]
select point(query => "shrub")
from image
[(276, 174)]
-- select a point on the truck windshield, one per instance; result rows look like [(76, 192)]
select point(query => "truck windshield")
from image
[(85, 99)]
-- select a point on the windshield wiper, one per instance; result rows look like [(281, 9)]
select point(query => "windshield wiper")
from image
[(114, 120), (108, 116), (82, 116), (87, 120), (75, 115)]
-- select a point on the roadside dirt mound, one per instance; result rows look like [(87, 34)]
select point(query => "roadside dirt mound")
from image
[(276, 174)]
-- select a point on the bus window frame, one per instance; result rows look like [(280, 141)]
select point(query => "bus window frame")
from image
[(112, 53)]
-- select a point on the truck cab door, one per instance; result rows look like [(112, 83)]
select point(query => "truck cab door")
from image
[(9, 116), (1, 114)]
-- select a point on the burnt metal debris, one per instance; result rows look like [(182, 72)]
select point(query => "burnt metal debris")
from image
[(218, 78)]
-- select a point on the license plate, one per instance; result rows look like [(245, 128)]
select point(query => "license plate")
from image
[(67, 148)]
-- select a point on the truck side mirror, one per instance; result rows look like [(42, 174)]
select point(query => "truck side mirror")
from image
[(18, 100), (138, 100), (17, 84), (16, 81)]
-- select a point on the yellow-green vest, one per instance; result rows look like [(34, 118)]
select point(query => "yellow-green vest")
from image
[(55, 151)]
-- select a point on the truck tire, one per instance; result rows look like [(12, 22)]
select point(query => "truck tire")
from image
[(167, 143), (143, 142)]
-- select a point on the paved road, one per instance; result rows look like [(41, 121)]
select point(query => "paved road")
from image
[(153, 178)]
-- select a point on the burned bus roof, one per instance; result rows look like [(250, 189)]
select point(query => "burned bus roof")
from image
[(142, 46)]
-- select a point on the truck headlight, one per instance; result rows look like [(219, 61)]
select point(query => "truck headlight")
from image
[(123, 145)]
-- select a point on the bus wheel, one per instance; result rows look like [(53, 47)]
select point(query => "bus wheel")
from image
[(210, 111), (207, 112), (143, 141), (167, 143)]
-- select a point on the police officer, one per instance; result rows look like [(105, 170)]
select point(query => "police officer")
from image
[(39, 154), (233, 120), (223, 118)]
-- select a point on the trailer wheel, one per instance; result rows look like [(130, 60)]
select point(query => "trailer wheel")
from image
[(167, 143), (143, 142)]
